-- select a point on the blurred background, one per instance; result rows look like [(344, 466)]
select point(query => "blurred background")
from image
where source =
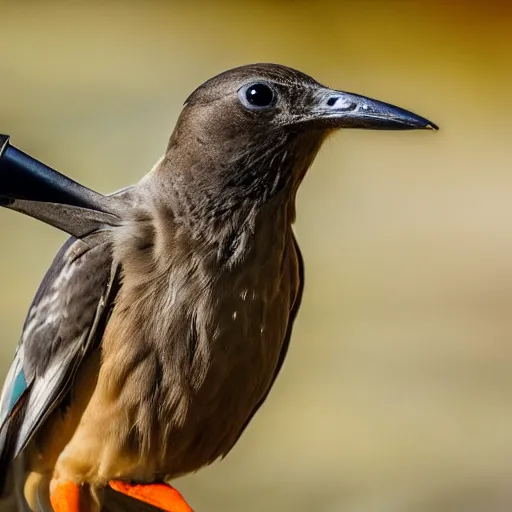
[(397, 392)]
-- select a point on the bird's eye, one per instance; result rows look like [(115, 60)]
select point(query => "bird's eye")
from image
[(257, 96)]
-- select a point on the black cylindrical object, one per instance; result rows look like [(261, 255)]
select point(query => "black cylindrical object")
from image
[(24, 177)]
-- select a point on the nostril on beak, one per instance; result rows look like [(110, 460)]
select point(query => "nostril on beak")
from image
[(341, 104), (348, 106)]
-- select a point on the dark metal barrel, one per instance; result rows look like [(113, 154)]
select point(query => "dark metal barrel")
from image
[(24, 177)]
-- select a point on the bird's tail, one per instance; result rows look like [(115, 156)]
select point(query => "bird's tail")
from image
[(30, 187)]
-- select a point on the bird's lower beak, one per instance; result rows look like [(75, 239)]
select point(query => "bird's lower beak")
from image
[(346, 110)]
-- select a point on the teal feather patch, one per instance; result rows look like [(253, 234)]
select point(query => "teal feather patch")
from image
[(19, 387)]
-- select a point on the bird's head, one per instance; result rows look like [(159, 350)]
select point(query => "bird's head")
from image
[(254, 130), (267, 97)]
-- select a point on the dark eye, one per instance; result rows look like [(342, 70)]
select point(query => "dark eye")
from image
[(257, 96)]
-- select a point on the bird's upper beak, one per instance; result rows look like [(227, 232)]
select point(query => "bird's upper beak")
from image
[(346, 110)]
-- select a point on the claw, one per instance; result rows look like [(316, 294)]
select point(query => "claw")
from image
[(159, 495)]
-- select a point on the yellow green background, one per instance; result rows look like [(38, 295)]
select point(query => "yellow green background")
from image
[(397, 392)]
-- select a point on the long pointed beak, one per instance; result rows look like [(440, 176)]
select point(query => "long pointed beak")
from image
[(347, 110)]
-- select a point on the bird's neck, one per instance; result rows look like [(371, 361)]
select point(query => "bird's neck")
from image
[(222, 198), (228, 182), (224, 236)]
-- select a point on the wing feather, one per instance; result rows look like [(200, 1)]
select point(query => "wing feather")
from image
[(63, 324)]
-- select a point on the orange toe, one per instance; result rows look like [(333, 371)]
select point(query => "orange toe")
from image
[(64, 496), (159, 495)]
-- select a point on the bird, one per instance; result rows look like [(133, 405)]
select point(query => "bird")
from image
[(163, 322)]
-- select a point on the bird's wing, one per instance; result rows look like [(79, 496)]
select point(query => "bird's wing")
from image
[(296, 301), (65, 316), (65, 321), (76, 221), (54, 338), (61, 327)]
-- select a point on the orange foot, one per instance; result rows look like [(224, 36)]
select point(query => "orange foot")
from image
[(159, 495), (64, 496)]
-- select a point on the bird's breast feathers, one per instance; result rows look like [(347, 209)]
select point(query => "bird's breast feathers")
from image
[(188, 356)]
